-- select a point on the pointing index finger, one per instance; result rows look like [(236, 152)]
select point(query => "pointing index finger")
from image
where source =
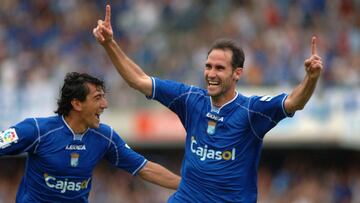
[(313, 46), (107, 14)]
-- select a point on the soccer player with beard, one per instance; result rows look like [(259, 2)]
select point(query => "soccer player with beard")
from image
[(225, 129)]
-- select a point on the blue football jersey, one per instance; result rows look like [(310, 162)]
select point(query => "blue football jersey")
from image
[(223, 145), (60, 163)]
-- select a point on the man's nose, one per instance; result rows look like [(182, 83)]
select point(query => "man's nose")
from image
[(211, 73), (104, 104)]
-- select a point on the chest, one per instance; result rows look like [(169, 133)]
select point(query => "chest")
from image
[(62, 154), (223, 125)]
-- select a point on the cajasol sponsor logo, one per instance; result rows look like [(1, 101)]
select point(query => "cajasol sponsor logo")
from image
[(64, 185), (206, 153)]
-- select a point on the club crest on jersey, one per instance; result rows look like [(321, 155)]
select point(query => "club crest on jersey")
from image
[(74, 161), (8, 137), (211, 127)]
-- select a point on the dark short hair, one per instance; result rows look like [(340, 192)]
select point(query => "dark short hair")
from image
[(238, 57), (75, 88)]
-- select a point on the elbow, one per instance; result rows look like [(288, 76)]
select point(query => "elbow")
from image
[(134, 83), (299, 107), (292, 107), (140, 82)]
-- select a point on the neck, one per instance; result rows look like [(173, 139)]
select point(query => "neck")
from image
[(76, 126), (220, 101)]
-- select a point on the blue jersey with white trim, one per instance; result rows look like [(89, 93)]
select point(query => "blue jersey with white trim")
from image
[(222, 148), (60, 164)]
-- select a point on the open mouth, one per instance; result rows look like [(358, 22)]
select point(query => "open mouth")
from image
[(212, 83), (98, 116)]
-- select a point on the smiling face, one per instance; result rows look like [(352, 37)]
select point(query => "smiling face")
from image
[(220, 77), (93, 106)]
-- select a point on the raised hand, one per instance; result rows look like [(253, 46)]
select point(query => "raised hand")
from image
[(103, 31), (313, 65)]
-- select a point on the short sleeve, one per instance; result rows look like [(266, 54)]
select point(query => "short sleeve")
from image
[(172, 94), (122, 156), (265, 112), (19, 138)]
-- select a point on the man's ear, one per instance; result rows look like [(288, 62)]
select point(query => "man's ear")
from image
[(237, 73), (76, 104)]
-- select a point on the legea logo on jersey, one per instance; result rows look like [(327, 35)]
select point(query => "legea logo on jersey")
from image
[(215, 117), (206, 153), (75, 147), (64, 185), (7, 137)]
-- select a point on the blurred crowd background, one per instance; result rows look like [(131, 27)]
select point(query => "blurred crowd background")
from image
[(42, 40)]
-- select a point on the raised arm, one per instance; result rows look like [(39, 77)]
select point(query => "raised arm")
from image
[(159, 175), (302, 93), (129, 70)]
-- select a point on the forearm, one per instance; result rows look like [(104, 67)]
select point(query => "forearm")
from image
[(129, 70), (300, 95), (159, 175)]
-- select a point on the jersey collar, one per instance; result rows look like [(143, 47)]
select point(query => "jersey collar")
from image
[(224, 106), (75, 135)]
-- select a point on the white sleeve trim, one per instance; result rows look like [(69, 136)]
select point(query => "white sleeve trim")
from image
[(153, 88), (283, 107), (140, 167)]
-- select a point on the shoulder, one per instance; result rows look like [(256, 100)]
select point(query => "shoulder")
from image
[(198, 90), (173, 85), (48, 123), (106, 133), (268, 104), (268, 98), (105, 130), (49, 120), (243, 100), (41, 123)]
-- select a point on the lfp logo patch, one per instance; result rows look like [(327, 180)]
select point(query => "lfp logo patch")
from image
[(7, 137)]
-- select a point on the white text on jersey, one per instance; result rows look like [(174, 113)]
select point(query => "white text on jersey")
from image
[(65, 185), (214, 117), (206, 153), (75, 147)]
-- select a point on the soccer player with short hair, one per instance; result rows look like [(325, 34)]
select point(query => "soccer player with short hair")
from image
[(63, 150), (225, 129)]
